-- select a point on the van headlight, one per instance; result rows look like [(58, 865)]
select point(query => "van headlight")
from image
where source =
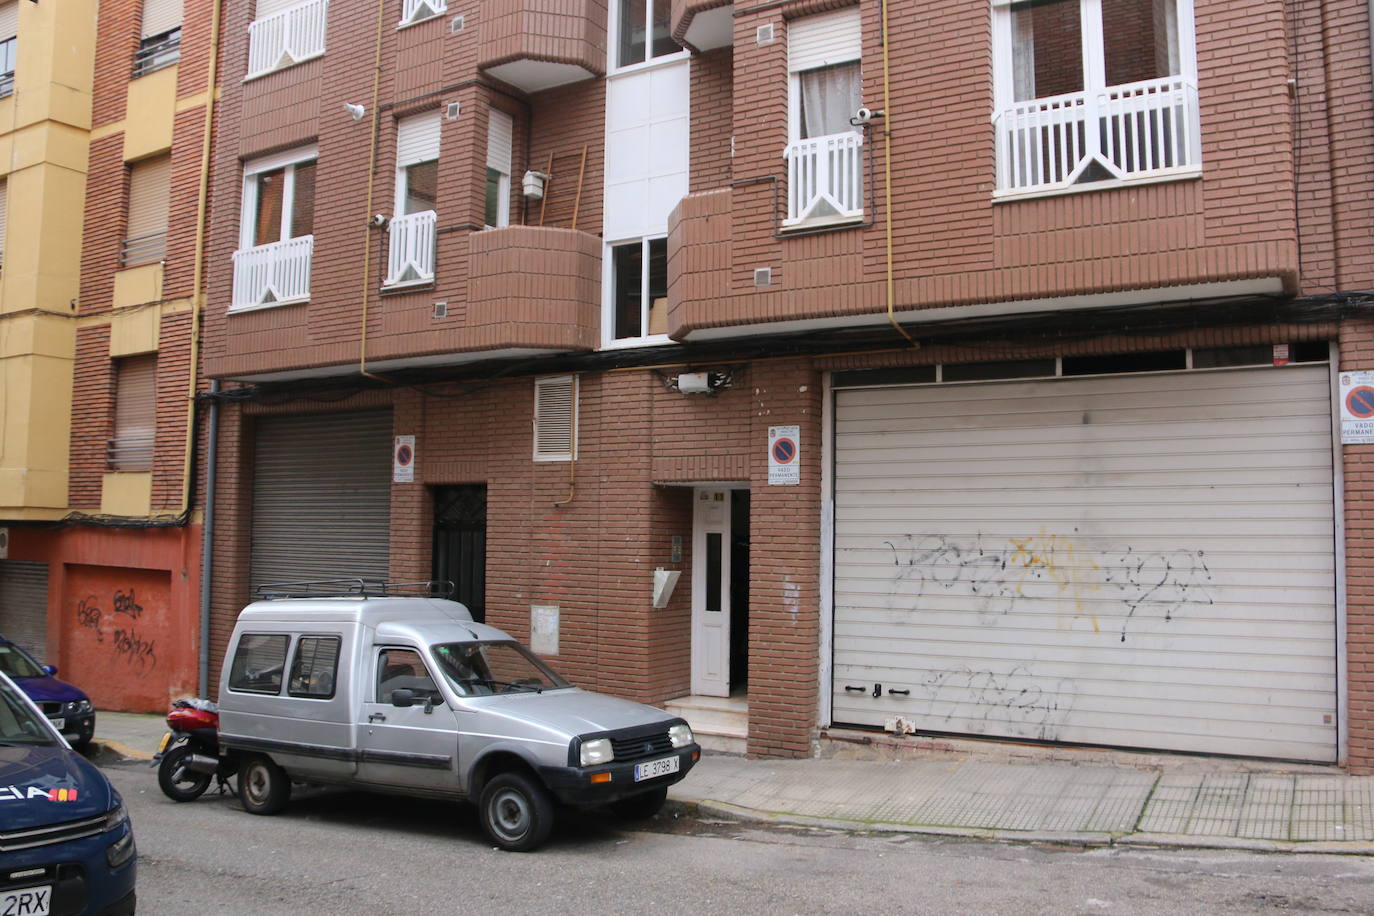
[(596, 752), (121, 850), (116, 816), (680, 734)]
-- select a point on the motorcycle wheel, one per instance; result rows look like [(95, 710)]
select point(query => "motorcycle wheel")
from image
[(178, 783)]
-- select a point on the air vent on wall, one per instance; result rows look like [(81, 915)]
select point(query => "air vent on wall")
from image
[(763, 276), (456, 25), (763, 35), (555, 418), (452, 111), (441, 310)]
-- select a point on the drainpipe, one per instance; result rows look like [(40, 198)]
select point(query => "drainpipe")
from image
[(887, 181), (371, 185), (207, 540)]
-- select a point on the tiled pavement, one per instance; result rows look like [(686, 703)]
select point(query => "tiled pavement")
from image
[(1098, 800)]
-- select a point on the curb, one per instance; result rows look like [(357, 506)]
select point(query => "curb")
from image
[(1058, 838), (120, 748)]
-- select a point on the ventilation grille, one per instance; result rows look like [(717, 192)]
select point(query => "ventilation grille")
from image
[(763, 35), (555, 418)]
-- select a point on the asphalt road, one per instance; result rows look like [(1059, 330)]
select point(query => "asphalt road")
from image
[(353, 853)]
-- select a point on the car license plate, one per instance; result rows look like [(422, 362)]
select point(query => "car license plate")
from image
[(166, 740), (656, 768), (28, 901), (58, 724)]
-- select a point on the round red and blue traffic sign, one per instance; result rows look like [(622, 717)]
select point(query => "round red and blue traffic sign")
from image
[(404, 454), (1360, 402), (784, 450)]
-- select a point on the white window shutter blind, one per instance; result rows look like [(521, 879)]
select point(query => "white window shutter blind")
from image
[(417, 139), (824, 40), (149, 196), (500, 136), (555, 418), (9, 20), (135, 414), (160, 16)]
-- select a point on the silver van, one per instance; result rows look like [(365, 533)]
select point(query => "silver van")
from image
[(403, 693)]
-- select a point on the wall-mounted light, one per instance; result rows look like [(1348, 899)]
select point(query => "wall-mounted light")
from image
[(532, 185), (355, 112)]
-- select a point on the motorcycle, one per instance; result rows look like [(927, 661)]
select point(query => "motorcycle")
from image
[(189, 755)]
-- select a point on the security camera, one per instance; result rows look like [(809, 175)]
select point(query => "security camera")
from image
[(863, 115), (377, 221)]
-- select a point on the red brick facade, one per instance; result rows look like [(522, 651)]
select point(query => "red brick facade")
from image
[(1280, 213)]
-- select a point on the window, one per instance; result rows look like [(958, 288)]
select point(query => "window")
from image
[(284, 33), (413, 11), (639, 289), (314, 667), (160, 36), (9, 32), (1093, 90), (555, 418), (500, 131), (276, 240), (145, 236), (825, 89), (403, 669), (135, 415), (258, 663), (412, 229), (643, 25)]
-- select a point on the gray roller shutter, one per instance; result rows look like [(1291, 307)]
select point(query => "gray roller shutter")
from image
[(24, 605), (1134, 560), (321, 497)]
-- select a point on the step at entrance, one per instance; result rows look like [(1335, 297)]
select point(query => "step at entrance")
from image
[(719, 723)]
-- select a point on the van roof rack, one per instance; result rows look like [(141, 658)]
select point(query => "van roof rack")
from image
[(357, 587)]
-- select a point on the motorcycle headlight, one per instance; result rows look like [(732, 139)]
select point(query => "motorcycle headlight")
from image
[(680, 734), (596, 752), (116, 816)]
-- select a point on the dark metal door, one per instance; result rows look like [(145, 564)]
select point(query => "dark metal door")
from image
[(460, 543)]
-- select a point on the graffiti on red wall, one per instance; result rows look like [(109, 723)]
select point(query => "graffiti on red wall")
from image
[(125, 643)]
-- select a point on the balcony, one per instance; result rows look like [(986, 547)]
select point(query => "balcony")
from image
[(274, 274), (825, 179), (289, 37), (1145, 130), (534, 287), (410, 258), (539, 44), (703, 24)]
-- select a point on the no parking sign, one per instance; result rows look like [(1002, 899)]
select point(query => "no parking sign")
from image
[(1357, 408), (403, 460), (784, 455)]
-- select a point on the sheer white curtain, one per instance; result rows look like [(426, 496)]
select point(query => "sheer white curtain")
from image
[(829, 98)]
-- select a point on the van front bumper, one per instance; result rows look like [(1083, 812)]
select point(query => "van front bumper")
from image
[(590, 785)]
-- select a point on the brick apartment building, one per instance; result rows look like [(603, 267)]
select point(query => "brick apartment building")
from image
[(1006, 406), (102, 569)]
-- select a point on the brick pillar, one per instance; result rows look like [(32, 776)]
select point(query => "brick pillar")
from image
[(1357, 354), (785, 562)]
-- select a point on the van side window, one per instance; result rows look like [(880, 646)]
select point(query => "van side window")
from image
[(314, 666), (258, 663), (398, 668)]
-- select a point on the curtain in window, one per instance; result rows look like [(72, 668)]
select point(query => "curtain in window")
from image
[(829, 98), (267, 221)]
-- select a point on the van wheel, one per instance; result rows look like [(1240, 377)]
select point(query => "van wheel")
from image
[(641, 807), (264, 787), (178, 783), (516, 812)]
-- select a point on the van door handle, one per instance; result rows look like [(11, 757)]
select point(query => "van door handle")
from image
[(377, 717)]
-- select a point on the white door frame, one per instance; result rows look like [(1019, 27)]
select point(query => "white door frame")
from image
[(710, 624)]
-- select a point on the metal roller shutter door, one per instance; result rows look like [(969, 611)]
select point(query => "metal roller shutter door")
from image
[(1134, 560), (322, 497), (24, 605)]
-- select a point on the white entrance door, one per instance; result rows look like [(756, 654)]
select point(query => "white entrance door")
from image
[(711, 593)]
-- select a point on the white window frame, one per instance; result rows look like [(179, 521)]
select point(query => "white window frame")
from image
[(413, 12), (249, 205), (608, 339), (496, 158), (1094, 84), (429, 121), (613, 40), (549, 382), (848, 51)]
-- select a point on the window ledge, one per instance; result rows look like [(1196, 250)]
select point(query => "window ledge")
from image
[(408, 286), (1190, 173), (821, 222), (407, 23), (236, 309), (626, 343)]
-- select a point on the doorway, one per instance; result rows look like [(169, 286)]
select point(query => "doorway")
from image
[(720, 591), (460, 544)]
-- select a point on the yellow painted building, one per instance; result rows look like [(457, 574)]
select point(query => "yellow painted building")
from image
[(45, 124)]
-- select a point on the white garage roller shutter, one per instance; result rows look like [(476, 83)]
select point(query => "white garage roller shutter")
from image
[(1135, 560), (322, 497)]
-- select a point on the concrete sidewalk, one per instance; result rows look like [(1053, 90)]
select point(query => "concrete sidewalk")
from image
[(1196, 802)]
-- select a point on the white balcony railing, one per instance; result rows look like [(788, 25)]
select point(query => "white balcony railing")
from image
[(275, 273), (825, 178), (411, 258), (1139, 130), (419, 10), (289, 37)]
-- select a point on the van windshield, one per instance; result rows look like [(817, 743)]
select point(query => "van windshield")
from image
[(485, 668), (18, 723)]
